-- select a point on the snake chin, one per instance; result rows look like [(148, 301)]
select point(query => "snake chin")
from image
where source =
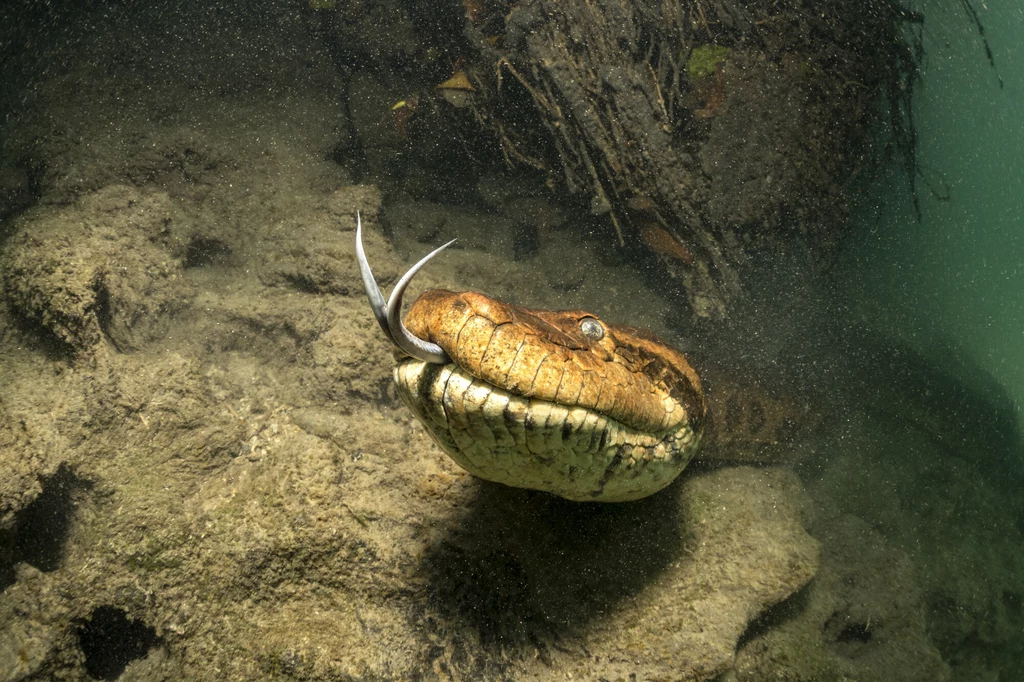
[(520, 441)]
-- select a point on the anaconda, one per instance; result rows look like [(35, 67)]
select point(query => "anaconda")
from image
[(558, 401)]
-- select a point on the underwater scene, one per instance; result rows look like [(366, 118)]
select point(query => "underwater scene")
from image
[(373, 340)]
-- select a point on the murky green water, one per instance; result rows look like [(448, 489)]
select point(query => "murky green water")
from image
[(957, 276)]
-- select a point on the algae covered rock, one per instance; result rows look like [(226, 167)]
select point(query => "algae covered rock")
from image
[(863, 618), (704, 59), (94, 270)]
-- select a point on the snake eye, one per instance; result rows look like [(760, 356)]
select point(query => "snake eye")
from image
[(592, 329)]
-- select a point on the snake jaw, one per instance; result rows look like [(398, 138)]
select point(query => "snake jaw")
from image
[(389, 315), (570, 451)]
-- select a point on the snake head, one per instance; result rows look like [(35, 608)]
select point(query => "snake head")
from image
[(559, 401), (572, 358)]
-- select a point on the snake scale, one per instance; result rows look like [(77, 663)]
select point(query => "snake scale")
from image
[(558, 401)]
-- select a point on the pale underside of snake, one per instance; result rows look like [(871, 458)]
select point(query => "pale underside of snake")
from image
[(558, 401)]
